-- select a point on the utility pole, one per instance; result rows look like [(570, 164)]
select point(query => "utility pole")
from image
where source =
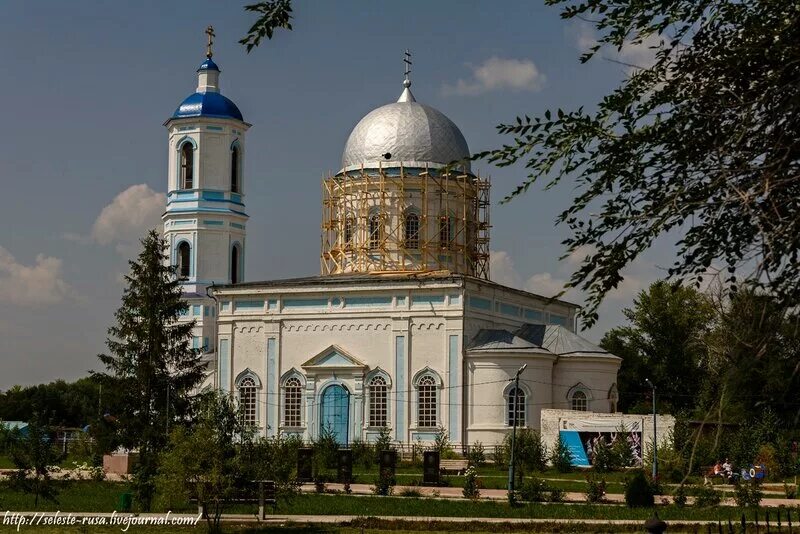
[(655, 435), (514, 435)]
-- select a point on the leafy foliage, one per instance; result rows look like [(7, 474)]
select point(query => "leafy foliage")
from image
[(476, 456), (595, 489), (72, 404), (638, 491), (704, 143), (151, 365), (664, 342), (33, 455), (471, 488), (274, 14), (748, 493), (707, 496), (560, 456)]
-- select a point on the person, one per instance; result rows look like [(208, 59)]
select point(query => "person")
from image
[(727, 469), (717, 469)]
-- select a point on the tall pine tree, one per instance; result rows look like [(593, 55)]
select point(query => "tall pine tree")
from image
[(150, 362)]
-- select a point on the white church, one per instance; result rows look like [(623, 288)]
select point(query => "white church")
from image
[(403, 328)]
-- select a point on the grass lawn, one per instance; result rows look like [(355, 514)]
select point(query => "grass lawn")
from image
[(89, 496)]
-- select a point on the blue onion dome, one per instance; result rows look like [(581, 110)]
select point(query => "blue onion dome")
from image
[(208, 104), (207, 101)]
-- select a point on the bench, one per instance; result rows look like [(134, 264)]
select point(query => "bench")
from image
[(266, 495), (453, 466)]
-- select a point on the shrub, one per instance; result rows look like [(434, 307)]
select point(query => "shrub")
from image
[(326, 449), (557, 495), (534, 489), (416, 453), (602, 457), (384, 484), (748, 493), (441, 443), (595, 489), (530, 454), (502, 456), (382, 443), (789, 490), (560, 457), (410, 492), (363, 453), (476, 456), (638, 492), (471, 490), (679, 497), (707, 496), (621, 452)]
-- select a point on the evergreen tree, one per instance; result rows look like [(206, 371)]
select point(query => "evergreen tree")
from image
[(150, 364)]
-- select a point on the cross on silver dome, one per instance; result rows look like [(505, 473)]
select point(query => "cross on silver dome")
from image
[(405, 133)]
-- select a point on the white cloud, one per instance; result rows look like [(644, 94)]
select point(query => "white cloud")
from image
[(633, 55), (501, 269), (496, 74), (546, 285), (32, 285), (124, 221)]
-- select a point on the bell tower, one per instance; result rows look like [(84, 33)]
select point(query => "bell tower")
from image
[(205, 220)]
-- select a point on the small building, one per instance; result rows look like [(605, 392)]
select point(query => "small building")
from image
[(18, 426)]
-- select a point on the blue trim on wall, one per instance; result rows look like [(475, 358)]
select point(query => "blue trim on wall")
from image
[(558, 319), (215, 128), (534, 315), (368, 301), (479, 303), (427, 300), (237, 225), (452, 382), (576, 451), (206, 210), (224, 366), (272, 373), (509, 309), (400, 388), (249, 305), (214, 223), (305, 303), (213, 195)]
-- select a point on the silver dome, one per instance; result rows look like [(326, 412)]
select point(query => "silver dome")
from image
[(404, 132)]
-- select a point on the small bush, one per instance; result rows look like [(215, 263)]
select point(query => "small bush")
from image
[(363, 453), (602, 457), (595, 489), (790, 490), (557, 495), (471, 490), (534, 489), (748, 493), (560, 457), (707, 496), (476, 455), (679, 497), (638, 492), (384, 484), (410, 492), (502, 456), (441, 443)]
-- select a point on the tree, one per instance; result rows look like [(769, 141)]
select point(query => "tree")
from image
[(33, 454), (704, 144), (150, 364), (663, 342), (202, 461)]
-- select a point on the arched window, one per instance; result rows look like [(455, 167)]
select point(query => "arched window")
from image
[(247, 400), (412, 231), (292, 400), (378, 402), (445, 231), (517, 395), (235, 264), (349, 226), (426, 402), (579, 401), (235, 169), (187, 166), (374, 231), (184, 260)]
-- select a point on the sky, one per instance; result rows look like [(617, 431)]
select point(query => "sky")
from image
[(87, 86)]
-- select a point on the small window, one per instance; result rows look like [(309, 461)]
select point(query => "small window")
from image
[(580, 401), (247, 401), (375, 234), (235, 169), (518, 396), (292, 397), (349, 226), (184, 260), (445, 231), (378, 402), (426, 402), (412, 231), (235, 265), (187, 166)]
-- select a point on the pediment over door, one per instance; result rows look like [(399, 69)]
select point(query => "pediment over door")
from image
[(334, 358)]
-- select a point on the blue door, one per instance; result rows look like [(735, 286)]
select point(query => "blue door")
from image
[(335, 412)]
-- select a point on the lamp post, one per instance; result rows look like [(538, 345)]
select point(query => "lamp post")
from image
[(655, 436), (514, 435)]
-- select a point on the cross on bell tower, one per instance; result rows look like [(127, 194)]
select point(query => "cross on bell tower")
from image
[(210, 33)]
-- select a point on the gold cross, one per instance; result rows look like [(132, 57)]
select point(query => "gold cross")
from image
[(211, 35)]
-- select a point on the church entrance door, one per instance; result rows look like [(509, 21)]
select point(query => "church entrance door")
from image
[(335, 412)]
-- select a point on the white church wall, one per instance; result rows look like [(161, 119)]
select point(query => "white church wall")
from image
[(592, 375), (489, 379)]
